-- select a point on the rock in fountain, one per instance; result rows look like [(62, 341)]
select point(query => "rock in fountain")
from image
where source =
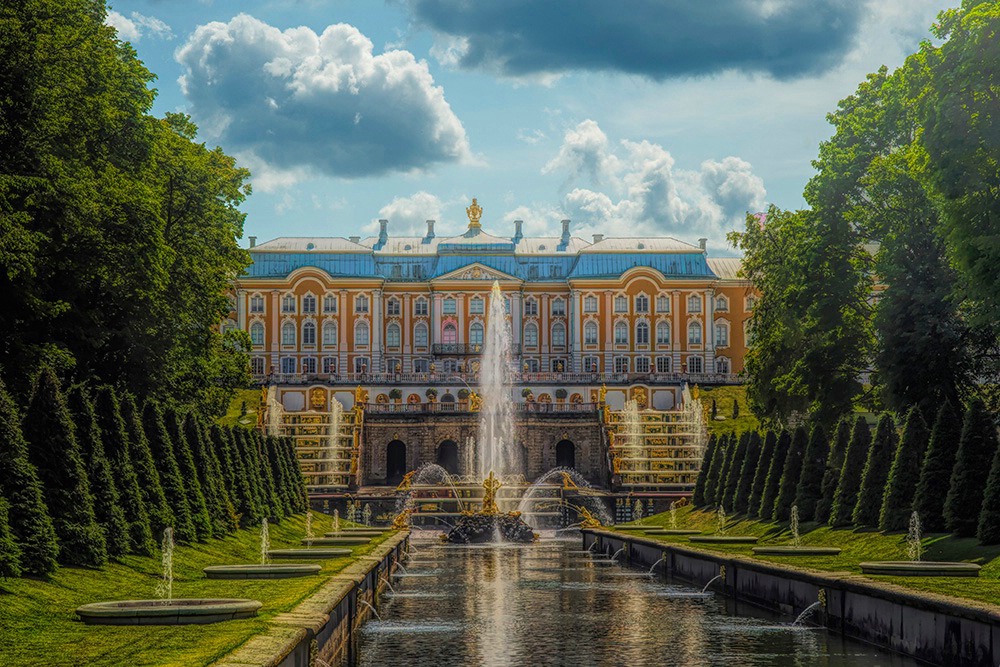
[(490, 524)]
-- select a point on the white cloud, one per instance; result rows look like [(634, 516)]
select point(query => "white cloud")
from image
[(323, 103), (134, 28), (408, 216), (527, 136)]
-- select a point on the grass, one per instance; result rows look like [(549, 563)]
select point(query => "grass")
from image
[(723, 396), (38, 625), (858, 545), (235, 416)]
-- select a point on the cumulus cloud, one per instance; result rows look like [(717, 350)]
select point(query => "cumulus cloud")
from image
[(408, 216), (325, 103), (135, 27), (655, 38)]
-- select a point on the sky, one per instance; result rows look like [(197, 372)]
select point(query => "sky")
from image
[(639, 118)]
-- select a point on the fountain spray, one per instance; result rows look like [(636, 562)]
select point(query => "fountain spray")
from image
[(673, 516), (720, 519), (309, 524), (165, 589), (336, 521), (497, 448), (794, 526), (914, 545), (265, 542)]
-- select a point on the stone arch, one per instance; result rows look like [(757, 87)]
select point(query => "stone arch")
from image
[(395, 462), (447, 456), (565, 454)]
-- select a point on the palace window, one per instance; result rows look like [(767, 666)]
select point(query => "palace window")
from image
[(392, 335), (558, 365), (309, 365), (694, 333), (257, 366), (642, 333), (531, 365), (392, 307), (590, 304), (590, 333), (256, 304), (621, 364), (449, 335), (532, 272), (721, 334), (309, 333), (477, 306), (330, 365), (663, 333), (663, 304), (393, 366), (476, 334), (329, 304), (420, 335), (751, 303), (748, 331), (722, 303), (420, 307), (361, 334), (531, 335), (308, 304), (621, 304), (288, 365), (641, 303), (558, 335), (642, 364), (506, 305), (621, 333), (421, 366), (257, 333), (663, 364), (530, 307), (722, 365), (591, 364), (360, 364), (694, 304), (329, 334), (288, 304), (288, 333), (694, 365), (361, 304), (558, 307), (449, 306)]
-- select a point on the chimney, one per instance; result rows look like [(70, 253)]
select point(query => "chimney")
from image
[(430, 231), (564, 240), (598, 238), (383, 234), (701, 243), (518, 234), (354, 239), (253, 241)]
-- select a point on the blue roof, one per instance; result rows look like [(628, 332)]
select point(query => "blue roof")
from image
[(671, 265), (280, 264)]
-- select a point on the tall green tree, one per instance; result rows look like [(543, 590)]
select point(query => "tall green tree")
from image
[(760, 475), (698, 496), (876, 473), (107, 506), (220, 506), (237, 483), (897, 501), (300, 496), (808, 491), (725, 462), (935, 471), (988, 530), (712, 473), (241, 439), (10, 553), (162, 447), (201, 520), (751, 462), (53, 449), (831, 476), (973, 462), (773, 483), (19, 486), (274, 505), (790, 475), (160, 514), (846, 497), (282, 481), (735, 469)]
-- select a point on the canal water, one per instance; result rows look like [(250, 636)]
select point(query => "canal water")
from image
[(550, 603)]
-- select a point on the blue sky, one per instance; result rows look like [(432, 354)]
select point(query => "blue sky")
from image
[(666, 117)]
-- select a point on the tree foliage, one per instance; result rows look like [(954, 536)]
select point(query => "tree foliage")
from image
[(936, 468), (976, 450), (876, 473), (831, 476), (698, 495), (751, 462), (846, 497), (790, 475), (162, 448), (897, 502), (760, 474), (773, 483), (809, 489)]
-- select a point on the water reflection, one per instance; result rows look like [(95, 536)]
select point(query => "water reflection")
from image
[(549, 604)]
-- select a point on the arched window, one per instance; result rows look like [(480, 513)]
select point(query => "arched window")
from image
[(721, 334), (308, 304), (558, 307), (309, 333), (449, 306), (330, 334), (621, 333), (694, 333), (722, 365), (288, 304), (257, 333), (530, 306), (361, 304), (476, 334), (531, 335), (256, 304), (641, 303), (721, 303), (558, 335), (329, 304), (420, 335), (361, 334), (590, 304), (449, 335), (590, 333), (392, 306), (694, 304), (420, 307), (663, 304), (642, 333), (663, 333), (621, 304), (392, 335), (288, 333)]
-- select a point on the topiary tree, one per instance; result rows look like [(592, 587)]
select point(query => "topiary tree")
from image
[(741, 501), (846, 496), (831, 476), (734, 470), (760, 475), (301, 498), (27, 514), (276, 509), (876, 473), (718, 482), (53, 449), (116, 445), (988, 530), (897, 501), (790, 475), (201, 519), (10, 553), (736, 409), (213, 485), (773, 483), (107, 508), (935, 472), (281, 481), (236, 481), (162, 449), (250, 465), (698, 496), (807, 493), (715, 410), (160, 514), (972, 469)]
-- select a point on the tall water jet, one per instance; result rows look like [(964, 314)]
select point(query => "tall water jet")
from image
[(914, 543), (309, 524), (275, 412), (673, 516), (165, 589), (333, 438), (336, 521), (794, 527), (720, 520), (638, 512), (496, 446), (265, 542)]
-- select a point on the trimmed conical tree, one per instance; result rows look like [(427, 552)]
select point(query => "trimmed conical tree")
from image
[(55, 453), (301, 498), (972, 469), (27, 514), (988, 531), (935, 472), (727, 453), (807, 494), (107, 506), (831, 476), (281, 482), (773, 483), (10, 553), (160, 514), (760, 475), (698, 496), (116, 446), (790, 475), (239, 486), (876, 473), (276, 509), (741, 502), (897, 502), (162, 449), (735, 470), (212, 485), (201, 520), (846, 496), (241, 439)]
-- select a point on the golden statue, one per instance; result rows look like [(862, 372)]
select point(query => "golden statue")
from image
[(474, 212), (475, 403), (360, 396), (402, 520), (602, 396), (317, 399), (490, 487), (588, 520), (405, 484), (568, 483), (639, 395)]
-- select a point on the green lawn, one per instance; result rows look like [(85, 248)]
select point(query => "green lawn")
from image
[(724, 396), (38, 625), (234, 415), (858, 546)]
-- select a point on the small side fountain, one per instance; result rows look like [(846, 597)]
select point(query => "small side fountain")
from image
[(915, 567), (720, 536), (795, 548), (265, 569), (167, 610), (673, 530), (327, 545)]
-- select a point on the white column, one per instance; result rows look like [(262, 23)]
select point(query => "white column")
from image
[(275, 330), (377, 328), (241, 309), (677, 333), (576, 341), (344, 331), (709, 366)]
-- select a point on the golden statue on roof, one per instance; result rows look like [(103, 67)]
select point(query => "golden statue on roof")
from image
[(475, 212)]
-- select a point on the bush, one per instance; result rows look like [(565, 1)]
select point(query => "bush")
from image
[(846, 496), (935, 472), (698, 496), (760, 474), (988, 530), (48, 428), (726, 450), (897, 502), (807, 493), (736, 409), (237, 481), (162, 449), (790, 475), (160, 514), (831, 476), (275, 508), (741, 501), (714, 413), (876, 473), (201, 519), (281, 481), (773, 483), (213, 485), (10, 553), (972, 469), (733, 470), (715, 469)]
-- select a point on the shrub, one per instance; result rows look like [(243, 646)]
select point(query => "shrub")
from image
[(897, 502), (736, 409), (715, 410), (790, 475), (972, 469), (162, 449), (831, 475), (733, 470), (714, 470), (201, 519), (741, 501), (935, 472), (807, 493), (773, 483), (876, 473), (727, 451), (10, 553), (760, 475), (160, 514), (846, 496), (698, 497), (988, 530), (213, 485)]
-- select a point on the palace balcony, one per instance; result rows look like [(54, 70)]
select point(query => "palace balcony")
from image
[(519, 379), (534, 407), (447, 349)]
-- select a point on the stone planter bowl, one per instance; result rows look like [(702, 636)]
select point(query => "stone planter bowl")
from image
[(343, 541), (354, 533), (167, 612), (261, 571), (308, 554), (788, 550), (905, 568), (673, 531), (723, 539)]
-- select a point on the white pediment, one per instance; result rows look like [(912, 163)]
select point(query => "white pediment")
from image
[(477, 272)]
